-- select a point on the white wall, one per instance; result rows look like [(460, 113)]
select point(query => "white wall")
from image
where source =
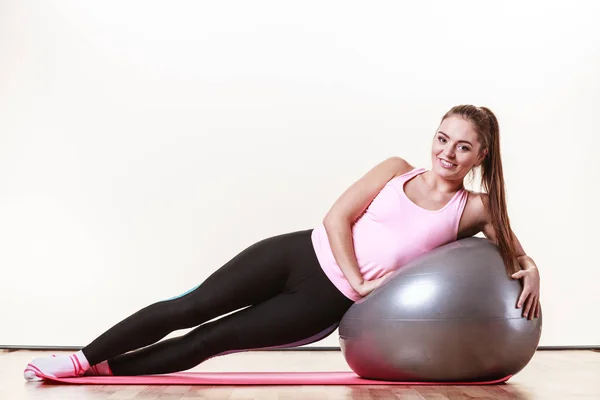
[(143, 144)]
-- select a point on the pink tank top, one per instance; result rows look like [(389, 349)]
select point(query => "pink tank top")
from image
[(392, 231)]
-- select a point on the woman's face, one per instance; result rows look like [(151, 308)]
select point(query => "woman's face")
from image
[(455, 149)]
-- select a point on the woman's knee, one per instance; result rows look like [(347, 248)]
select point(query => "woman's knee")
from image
[(187, 314)]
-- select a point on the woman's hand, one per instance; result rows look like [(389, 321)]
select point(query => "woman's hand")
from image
[(368, 286), (530, 296)]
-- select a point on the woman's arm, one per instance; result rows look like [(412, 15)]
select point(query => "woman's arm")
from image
[(348, 208), (524, 260), (529, 272)]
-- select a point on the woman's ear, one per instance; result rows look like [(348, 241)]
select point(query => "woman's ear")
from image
[(481, 157)]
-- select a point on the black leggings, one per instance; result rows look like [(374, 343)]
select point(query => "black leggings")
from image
[(280, 294)]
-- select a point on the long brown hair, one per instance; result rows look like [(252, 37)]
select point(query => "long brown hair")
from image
[(492, 177)]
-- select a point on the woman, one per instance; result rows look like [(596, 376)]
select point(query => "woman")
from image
[(293, 289)]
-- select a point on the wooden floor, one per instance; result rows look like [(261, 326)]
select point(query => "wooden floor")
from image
[(550, 375)]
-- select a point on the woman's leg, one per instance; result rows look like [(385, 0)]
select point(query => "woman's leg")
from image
[(254, 275), (307, 314)]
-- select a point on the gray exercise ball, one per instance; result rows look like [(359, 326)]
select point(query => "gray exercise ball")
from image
[(448, 316)]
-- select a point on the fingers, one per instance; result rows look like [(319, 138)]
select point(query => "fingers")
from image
[(522, 298), (532, 307), (527, 308), (518, 275), (384, 277), (524, 301), (529, 298)]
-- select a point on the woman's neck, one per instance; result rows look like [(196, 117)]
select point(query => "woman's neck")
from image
[(441, 185)]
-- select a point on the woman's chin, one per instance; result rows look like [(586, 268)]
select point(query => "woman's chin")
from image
[(438, 169), (447, 173)]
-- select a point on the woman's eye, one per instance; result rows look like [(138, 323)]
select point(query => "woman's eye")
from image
[(464, 148), (441, 139)]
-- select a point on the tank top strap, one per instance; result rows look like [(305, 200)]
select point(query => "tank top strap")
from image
[(462, 199), (413, 172), (457, 205)]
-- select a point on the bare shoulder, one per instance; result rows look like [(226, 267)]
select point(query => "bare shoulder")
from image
[(355, 199), (475, 215), (399, 165)]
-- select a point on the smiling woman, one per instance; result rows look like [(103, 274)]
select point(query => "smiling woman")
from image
[(467, 138), (293, 289)]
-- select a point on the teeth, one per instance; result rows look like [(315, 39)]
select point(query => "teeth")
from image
[(447, 164)]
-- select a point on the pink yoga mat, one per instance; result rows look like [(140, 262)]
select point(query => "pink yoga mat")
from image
[(248, 378)]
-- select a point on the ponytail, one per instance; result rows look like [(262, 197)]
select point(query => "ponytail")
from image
[(492, 178)]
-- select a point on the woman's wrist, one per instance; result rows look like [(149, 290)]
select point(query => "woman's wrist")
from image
[(526, 262), (357, 285)]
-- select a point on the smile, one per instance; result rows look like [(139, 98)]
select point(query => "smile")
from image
[(446, 164)]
